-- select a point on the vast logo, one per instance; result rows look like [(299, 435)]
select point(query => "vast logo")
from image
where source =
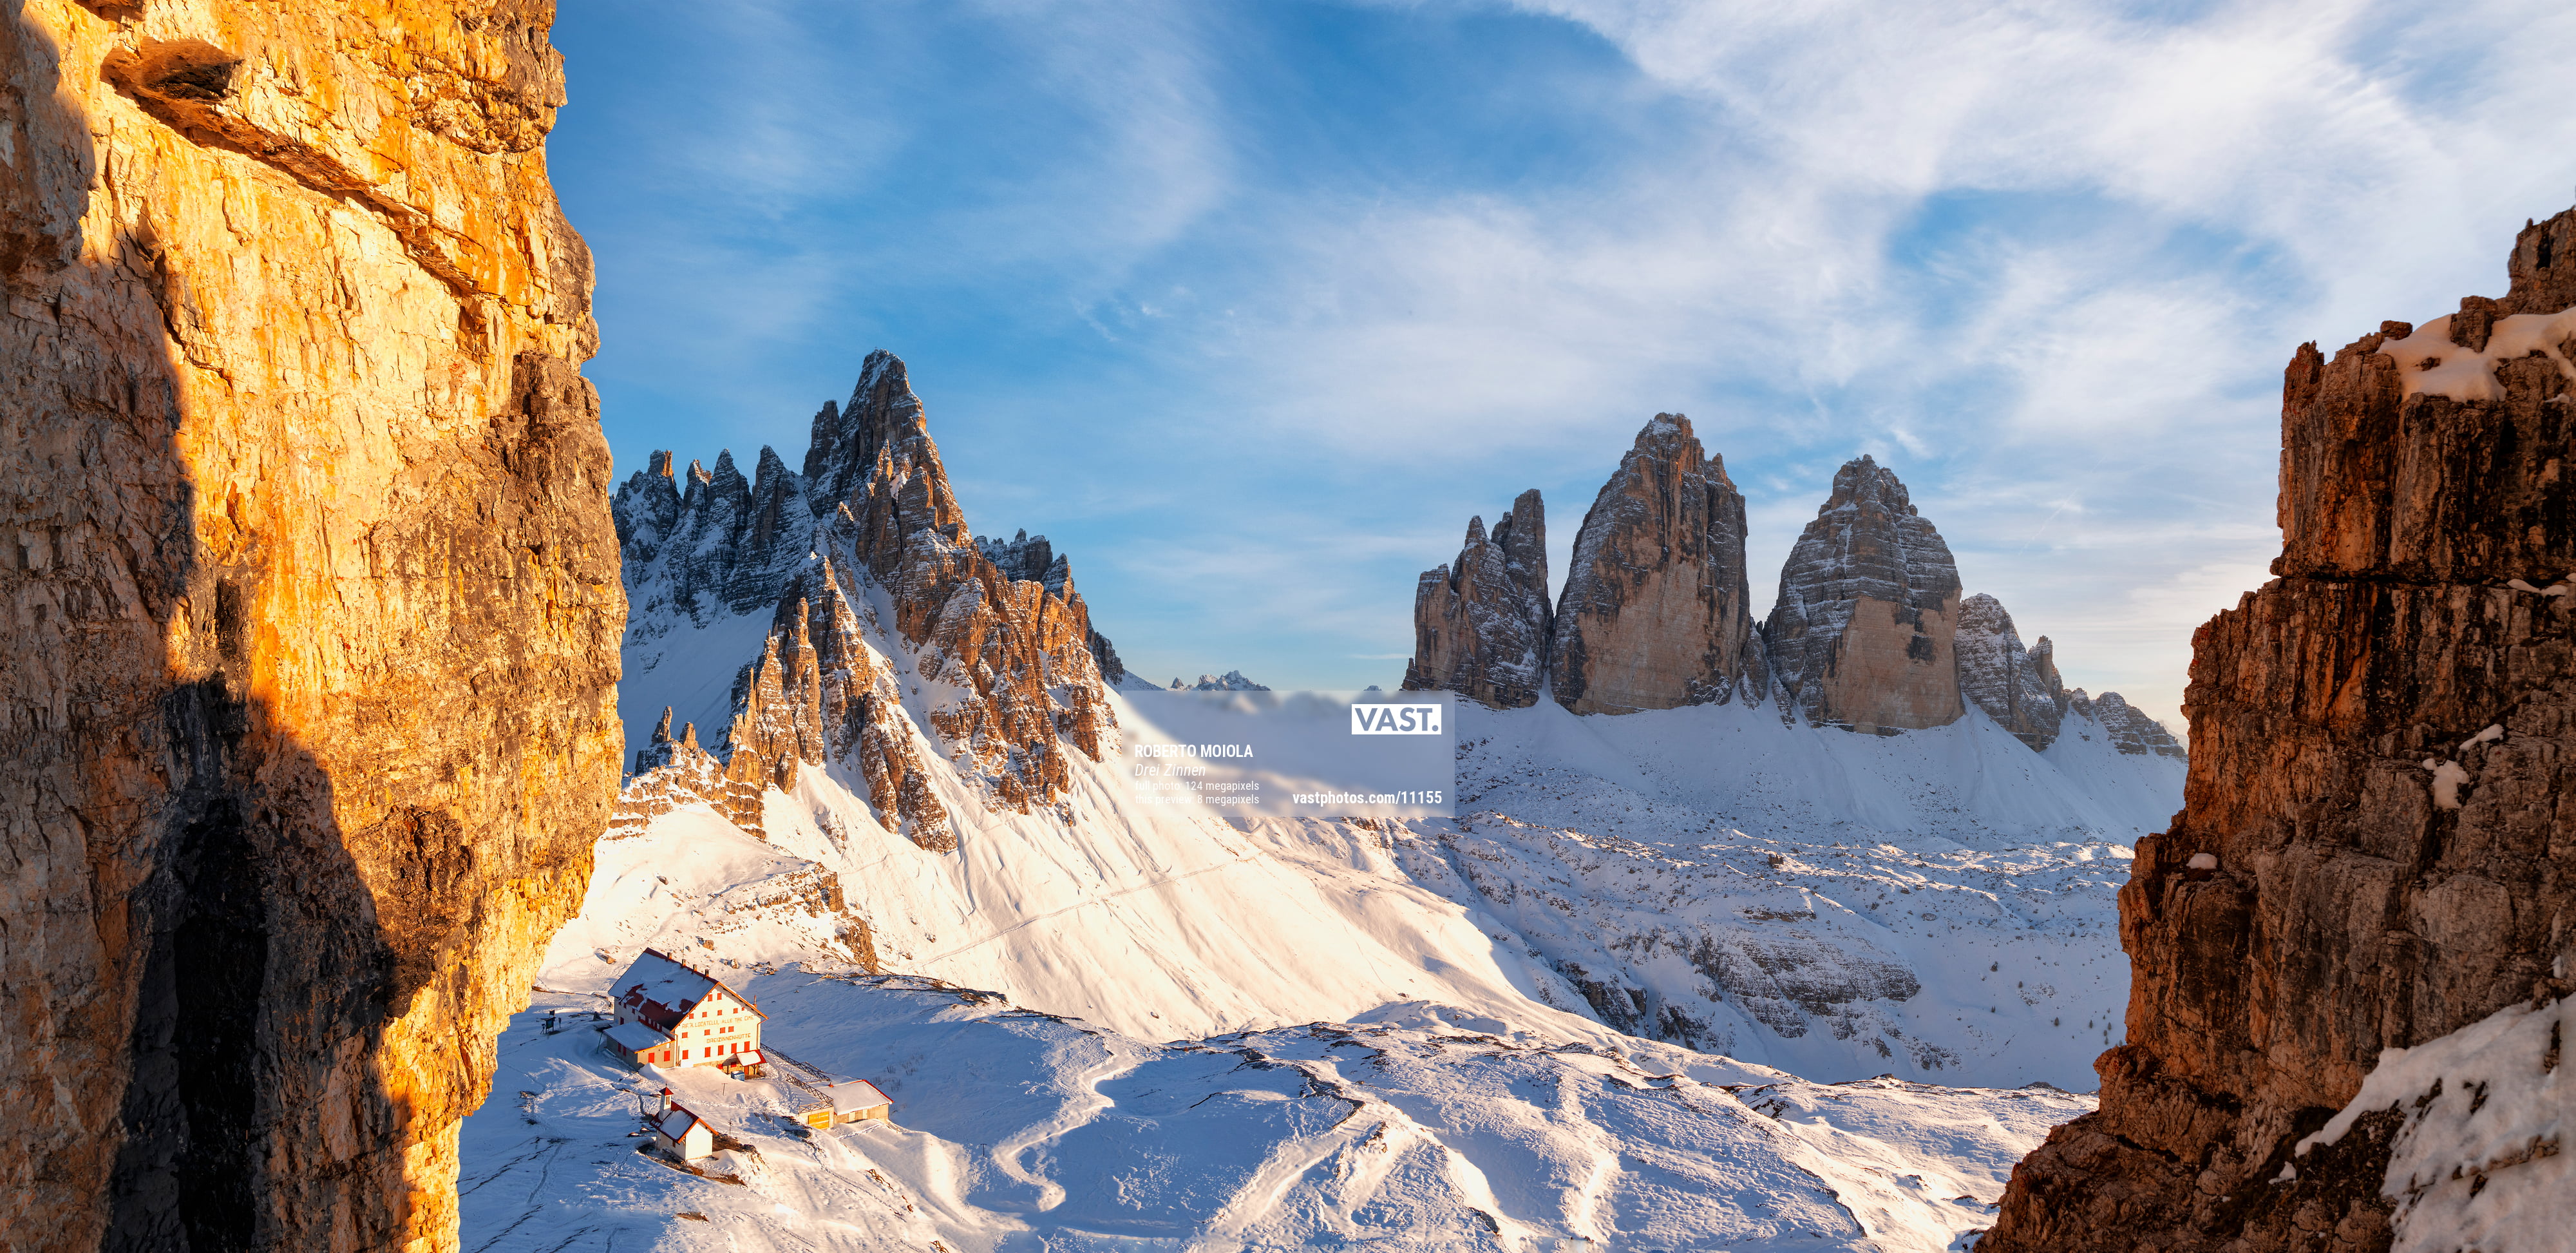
[(1395, 719)]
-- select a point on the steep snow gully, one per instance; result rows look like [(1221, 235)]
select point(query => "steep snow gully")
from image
[(1690, 978)]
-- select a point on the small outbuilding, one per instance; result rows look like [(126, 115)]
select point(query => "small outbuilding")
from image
[(680, 1133), (855, 1100)]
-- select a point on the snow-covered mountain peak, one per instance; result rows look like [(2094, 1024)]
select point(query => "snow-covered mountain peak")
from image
[(1230, 681), (845, 612)]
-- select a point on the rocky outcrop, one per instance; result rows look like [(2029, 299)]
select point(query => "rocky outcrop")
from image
[(1015, 670), (721, 545), (819, 692), (1656, 608), (2017, 687), (2020, 689), (1863, 633), (1482, 624), (2130, 729), (672, 771), (1113, 672), (2372, 852), (1024, 557), (314, 607)]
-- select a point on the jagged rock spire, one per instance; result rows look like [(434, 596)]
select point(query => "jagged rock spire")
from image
[(881, 413), (1481, 624), (1656, 611), (1863, 632), (999, 622)]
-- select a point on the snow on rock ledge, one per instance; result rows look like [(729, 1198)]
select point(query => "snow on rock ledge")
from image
[(2456, 355), (2479, 1159)]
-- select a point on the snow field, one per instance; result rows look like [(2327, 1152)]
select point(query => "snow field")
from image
[(1411, 1129), (1939, 904), (1477, 1032)]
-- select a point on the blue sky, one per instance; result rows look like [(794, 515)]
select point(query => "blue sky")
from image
[(1248, 306)]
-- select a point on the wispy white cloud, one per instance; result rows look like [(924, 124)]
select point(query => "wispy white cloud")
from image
[(2106, 381), (2046, 259)]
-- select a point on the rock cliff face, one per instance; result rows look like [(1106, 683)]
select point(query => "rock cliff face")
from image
[(2017, 687), (1863, 633), (889, 623), (1656, 612), (307, 707), (1481, 624), (2373, 851)]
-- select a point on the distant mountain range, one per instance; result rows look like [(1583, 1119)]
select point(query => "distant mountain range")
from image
[(1869, 634)]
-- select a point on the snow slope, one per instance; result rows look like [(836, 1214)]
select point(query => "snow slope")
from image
[(1415, 1127), (1937, 904), (1940, 904), (1595, 898)]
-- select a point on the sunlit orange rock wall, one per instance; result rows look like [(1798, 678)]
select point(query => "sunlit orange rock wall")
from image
[(309, 608)]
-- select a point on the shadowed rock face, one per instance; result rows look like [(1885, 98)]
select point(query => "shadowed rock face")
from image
[(1656, 612), (306, 722), (2017, 687), (2355, 906), (1481, 625), (1863, 632)]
